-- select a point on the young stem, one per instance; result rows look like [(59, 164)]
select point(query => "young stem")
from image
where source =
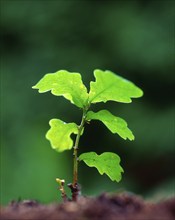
[(74, 186), (75, 153)]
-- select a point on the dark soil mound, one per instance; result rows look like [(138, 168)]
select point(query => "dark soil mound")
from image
[(104, 207)]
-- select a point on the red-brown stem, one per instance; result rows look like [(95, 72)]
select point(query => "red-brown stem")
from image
[(61, 188)]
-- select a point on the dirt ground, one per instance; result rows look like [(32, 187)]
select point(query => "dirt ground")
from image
[(104, 207)]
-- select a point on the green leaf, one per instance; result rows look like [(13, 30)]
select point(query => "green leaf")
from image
[(64, 83), (109, 86), (113, 123), (59, 134), (108, 163)]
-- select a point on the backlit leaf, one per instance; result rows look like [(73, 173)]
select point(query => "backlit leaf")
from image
[(59, 134), (109, 86), (108, 163), (113, 123), (64, 83)]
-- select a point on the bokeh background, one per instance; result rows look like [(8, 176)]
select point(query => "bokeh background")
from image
[(134, 39)]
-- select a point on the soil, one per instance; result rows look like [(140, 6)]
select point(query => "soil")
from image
[(104, 207)]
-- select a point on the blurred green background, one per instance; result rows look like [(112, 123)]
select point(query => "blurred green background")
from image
[(132, 38)]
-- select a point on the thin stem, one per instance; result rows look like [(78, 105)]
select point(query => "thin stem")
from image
[(75, 188), (75, 153)]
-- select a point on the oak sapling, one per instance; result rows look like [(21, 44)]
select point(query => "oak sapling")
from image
[(107, 87)]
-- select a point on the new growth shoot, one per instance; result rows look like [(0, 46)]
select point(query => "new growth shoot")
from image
[(107, 87)]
